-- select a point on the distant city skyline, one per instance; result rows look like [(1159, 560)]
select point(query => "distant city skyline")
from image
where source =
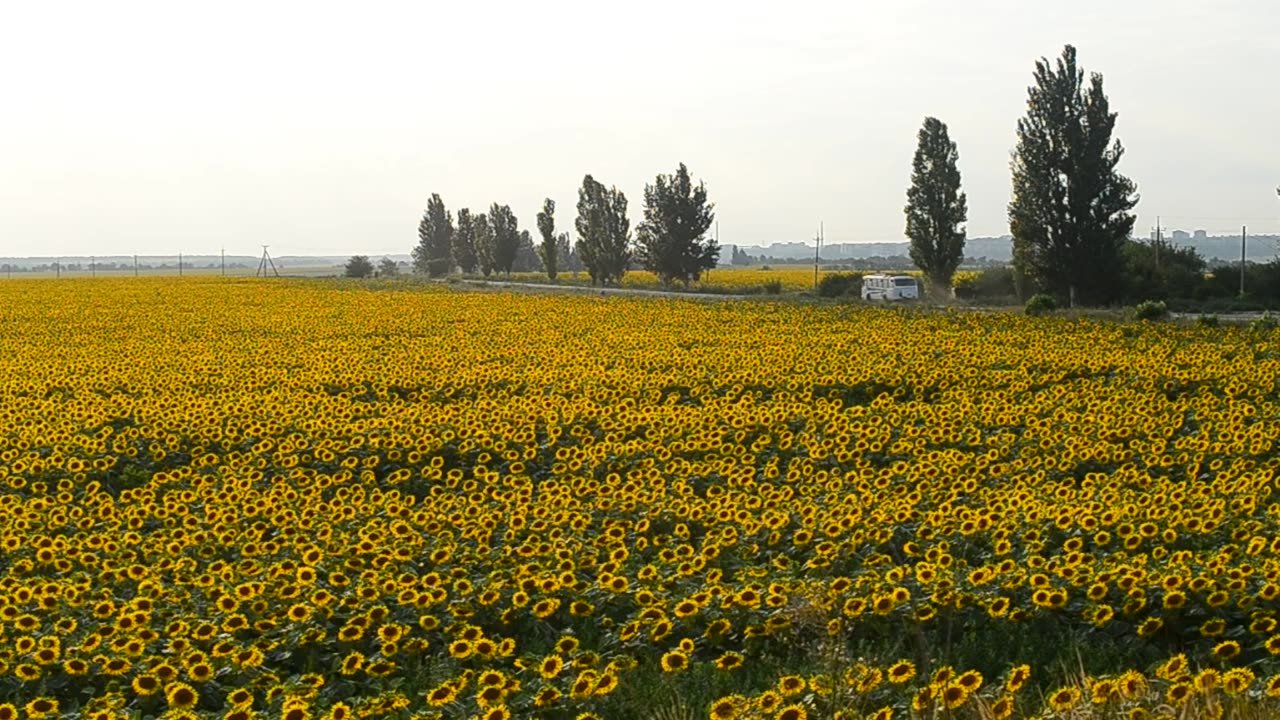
[(153, 127)]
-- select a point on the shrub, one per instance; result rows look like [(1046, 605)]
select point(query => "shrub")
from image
[(1207, 320), (772, 287), (1266, 323), (1151, 310), (1041, 304), (839, 284), (992, 283), (358, 267)]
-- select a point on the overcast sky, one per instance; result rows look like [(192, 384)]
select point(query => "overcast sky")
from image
[(322, 128)]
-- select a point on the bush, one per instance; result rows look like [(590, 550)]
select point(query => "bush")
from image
[(1041, 304), (990, 284), (772, 287), (1266, 323), (839, 284), (1207, 320), (358, 267), (1151, 310)]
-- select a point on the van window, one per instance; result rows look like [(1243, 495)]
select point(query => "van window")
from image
[(904, 282)]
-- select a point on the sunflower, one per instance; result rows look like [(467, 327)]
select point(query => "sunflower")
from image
[(146, 685), (1065, 698), (1178, 693), (675, 661), (727, 708), (1002, 708), (792, 712), (901, 672), (546, 697), (791, 685), (1225, 650), (953, 695), (41, 708), (442, 694), (181, 696), (550, 667), (729, 661)]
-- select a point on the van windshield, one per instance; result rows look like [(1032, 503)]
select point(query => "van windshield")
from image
[(901, 282)]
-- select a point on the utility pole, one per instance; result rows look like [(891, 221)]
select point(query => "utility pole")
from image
[(223, 255), (135, 266), (817, 253), (1156, 241), (57, 269), (179, 264), (93, 266), (1244, 234)]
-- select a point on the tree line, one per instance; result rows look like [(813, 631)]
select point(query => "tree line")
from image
[(1070, 214), (671, 240)]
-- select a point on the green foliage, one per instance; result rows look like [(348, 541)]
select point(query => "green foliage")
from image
[(388, 268), (772, 287), (1151, 310), (604, 232), (1207, 321), (527, 257), (435, 239), (549, 249), (1041, 304), (1161, 272), (464, 242), (936, 208), (839, 284), (484, 244), (997, 283), (1265, 323), (1070, 211), (506, 237), (358, 267), (670, 241)]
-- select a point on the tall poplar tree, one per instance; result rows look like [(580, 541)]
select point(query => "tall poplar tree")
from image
[(604, 232), (464, 242), (435, 239), (936, 207), (549, 248), (1070, 210), (484, 244), (506, 237)]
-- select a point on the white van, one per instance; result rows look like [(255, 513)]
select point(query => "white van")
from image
[(890, 287)]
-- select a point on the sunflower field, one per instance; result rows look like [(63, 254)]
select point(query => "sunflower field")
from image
[(313, 499)]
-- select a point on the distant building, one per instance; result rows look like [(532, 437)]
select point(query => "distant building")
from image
[(1200, 235), (1181, 236)]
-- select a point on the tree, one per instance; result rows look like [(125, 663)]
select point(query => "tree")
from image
[(484, 243), (670, 242), (464, 242), (527, 259), (1070, 210), (506, 237), (358, 267), (548, 251), (388, 268), (435, 239), (739, 256), (604, 233), (936, 208), (566, 257)]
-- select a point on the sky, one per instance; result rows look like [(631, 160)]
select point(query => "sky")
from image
[(322, 128)]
